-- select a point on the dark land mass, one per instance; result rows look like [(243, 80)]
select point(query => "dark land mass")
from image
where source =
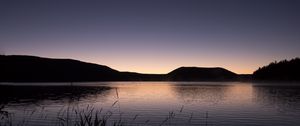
[(16, 68), (36, 69), (201, 74), (285, 70)]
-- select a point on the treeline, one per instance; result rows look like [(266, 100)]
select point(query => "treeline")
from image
[(285, 70)]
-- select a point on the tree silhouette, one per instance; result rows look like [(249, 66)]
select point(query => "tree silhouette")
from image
[(282, 70)]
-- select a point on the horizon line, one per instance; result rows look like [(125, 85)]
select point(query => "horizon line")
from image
[(123, 70)]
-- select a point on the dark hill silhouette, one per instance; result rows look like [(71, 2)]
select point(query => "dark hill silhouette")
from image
[(201, 74), (31, 68), (279, 71), (16, 68)]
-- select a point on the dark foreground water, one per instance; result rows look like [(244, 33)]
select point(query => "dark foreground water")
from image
[(153, 103)]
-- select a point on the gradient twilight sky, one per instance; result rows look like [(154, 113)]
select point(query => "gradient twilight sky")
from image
[(154, 36)]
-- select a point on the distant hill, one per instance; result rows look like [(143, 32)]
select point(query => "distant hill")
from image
[(201, 74), (36, 69), (279, 71), (16, 68)]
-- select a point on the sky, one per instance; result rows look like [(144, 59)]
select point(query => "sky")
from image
[(154, 36)]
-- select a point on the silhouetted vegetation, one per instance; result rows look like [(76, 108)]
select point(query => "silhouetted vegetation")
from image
[(90, 116), (37, 69), (280, 71)]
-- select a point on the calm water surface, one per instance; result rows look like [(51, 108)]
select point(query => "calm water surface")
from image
[(155, 103)]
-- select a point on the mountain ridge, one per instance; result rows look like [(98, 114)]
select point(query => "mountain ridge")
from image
[(24, 68)]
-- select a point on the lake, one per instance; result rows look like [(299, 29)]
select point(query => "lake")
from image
[(152, 103)]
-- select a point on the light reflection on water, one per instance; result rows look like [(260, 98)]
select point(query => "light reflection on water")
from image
[(197, 103)]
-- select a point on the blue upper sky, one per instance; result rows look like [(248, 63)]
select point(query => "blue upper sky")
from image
[(154, 36)]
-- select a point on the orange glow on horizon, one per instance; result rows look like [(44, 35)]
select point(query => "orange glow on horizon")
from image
[(162, 65)]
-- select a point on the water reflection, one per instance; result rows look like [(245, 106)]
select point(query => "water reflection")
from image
[(283, 98), (226, 94), (230, 103), (35, 94), (211, 94), (144, 95), (37, 105)]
